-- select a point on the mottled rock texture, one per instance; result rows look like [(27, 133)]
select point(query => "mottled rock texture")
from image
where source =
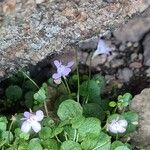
[(141, 104), (32, 29)]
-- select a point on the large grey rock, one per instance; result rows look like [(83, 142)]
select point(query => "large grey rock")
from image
[(134, 30), (141, 104), (146, 46), (32, 29)]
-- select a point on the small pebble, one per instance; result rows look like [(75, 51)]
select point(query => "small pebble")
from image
[(136, 44), (136, 65), (122, 47), (129, 44), (140, 56), (134, 56), (117, 63)]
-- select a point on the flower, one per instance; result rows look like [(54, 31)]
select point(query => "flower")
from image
[(31, 120), (102, 48), (117, 126), (62, 71)]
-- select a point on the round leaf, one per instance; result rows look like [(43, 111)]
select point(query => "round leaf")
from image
[(69, 109), (70, 145)]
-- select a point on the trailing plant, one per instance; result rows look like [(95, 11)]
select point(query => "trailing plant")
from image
[(68, 112)]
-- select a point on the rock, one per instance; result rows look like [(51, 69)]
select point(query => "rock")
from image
[(125, 74), (99, 60), (141, 105), (148, 72), (89, 43), (117, 63), (39, 1), (134, 56), (134, 30), (122, 47), (136, 65), (146, 46), (33, 32)]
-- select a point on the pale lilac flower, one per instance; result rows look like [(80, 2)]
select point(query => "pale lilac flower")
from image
[(117, 126), (62, 71), (31, 120), (102, 48)]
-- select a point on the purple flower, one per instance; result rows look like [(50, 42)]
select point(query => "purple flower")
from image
[(62, 71), (102, 48), (31, 120), (117, 126)]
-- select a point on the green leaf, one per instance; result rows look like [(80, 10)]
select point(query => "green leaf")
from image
[(122, 148), (102, 142), (112, 104), (70, 145), (56, 130), (132, 118), (29, 100), (93, 110), (21, 135), (90, 127), (100, 80), (116, 144), (70, 132), (114, 117), (123, 101), (69, 109), (13, 92), (35, 144), (6, 136), (50, 144), (3, 123), (76, 122), (48, 121), (45, 133), (40, 96), (90, 89)]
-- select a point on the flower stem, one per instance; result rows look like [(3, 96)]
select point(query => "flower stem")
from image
[(77, 66), (45, 105), (58, 139), (12, 121), (75, 134), (67, 86)]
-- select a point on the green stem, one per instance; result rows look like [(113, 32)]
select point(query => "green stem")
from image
[(58, 139), (9, 130), (46, 110), (77, 66), (67, 86), (45, 105), (65, 134), (77, 137), (75, 134)]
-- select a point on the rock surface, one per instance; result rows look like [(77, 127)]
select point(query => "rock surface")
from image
[(30, 30), (141, 104), (146, 45)]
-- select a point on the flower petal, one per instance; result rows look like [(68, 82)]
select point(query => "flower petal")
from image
[(36, 126), (39, 115), (121, 129), (102, 48), (56, 76), (113, 128), (70, 64), (57, 63), (26, 126), (66, 71), (27, 114), (123, 123)]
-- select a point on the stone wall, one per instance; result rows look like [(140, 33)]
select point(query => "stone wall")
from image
[(32, 29)]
